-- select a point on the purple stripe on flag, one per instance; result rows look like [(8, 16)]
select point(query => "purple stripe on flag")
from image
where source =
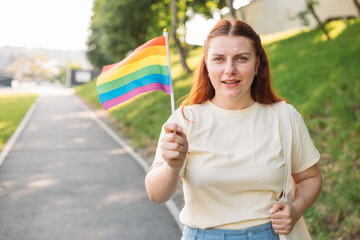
[(147, 88)]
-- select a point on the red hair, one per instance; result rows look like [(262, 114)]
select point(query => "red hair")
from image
[(261, 88)]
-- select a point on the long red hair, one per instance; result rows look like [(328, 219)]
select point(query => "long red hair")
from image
[(261, 88)]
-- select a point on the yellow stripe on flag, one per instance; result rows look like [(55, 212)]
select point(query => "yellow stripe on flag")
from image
[(130, 68)]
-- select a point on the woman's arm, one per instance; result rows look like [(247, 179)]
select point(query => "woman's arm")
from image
[(308, 187), (161, 182)]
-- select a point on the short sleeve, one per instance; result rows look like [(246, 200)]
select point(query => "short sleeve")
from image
[(177, 118), (303, 153)]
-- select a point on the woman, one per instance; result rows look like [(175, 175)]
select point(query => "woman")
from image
[(224, 143)]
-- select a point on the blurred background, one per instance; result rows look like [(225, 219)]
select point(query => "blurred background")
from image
[(41, 40)]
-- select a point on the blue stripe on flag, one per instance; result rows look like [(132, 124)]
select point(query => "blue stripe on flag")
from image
[(148, 79)]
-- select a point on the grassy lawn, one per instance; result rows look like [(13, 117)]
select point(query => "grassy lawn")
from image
[(13, 109), (322, 80)]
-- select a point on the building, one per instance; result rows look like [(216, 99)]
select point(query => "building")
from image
[(18, 69), (272, 16)]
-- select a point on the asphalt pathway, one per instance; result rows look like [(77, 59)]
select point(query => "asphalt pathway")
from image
[(65, 178)]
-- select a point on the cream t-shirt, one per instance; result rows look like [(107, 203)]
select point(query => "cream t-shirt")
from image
[(234, 170)]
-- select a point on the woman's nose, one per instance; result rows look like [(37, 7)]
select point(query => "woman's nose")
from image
[(229, 68)]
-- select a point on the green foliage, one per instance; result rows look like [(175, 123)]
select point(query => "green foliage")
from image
[(88, 92), (119, 26), (303, 15), (13, 109), (95, 53), (322, 80)]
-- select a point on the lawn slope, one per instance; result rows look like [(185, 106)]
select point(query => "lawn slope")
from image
[(13, 109)]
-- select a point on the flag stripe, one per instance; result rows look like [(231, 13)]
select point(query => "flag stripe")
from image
[(159, 41), (152, 69), (145, 69), (147, 88), (130, 68), (148, 79), (152, 50)]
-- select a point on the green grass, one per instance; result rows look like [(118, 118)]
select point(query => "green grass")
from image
[(322, 80), (13, 109)]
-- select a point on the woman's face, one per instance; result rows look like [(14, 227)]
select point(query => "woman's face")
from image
[(232, 64)]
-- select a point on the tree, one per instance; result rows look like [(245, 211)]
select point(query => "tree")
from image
[(125, 26), (182, 11), (357, 5), (232, 13), (117, 28), (310, 5), (95, 52), (43, 69), (180, 49)]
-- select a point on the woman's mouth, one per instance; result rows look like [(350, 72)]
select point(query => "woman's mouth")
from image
[(231, 83)]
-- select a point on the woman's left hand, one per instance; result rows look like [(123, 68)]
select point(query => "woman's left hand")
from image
[(283, 217)]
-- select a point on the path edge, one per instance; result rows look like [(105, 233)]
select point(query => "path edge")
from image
[(11, 142), (171, 206)]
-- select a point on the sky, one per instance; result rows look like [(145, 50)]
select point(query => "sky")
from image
[(63, 24), (55, 24), (198, 27)]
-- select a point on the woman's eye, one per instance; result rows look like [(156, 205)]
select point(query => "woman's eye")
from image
[(241, 59), (217, 59)]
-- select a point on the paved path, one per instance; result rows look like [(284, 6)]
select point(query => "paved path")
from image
[(65, 178)]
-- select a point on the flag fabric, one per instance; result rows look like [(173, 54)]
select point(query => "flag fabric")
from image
[(144, 70)]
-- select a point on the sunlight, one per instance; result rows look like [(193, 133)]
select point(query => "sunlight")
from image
[(42, 183), (336, 28), (124, 197), (42, 23)]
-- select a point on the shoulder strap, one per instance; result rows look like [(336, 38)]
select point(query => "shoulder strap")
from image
[(286, 145)]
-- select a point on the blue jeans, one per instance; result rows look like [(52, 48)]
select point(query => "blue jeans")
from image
[(262, 232)]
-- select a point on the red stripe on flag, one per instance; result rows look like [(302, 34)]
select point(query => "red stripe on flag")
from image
[(147, 88), (158, 41)]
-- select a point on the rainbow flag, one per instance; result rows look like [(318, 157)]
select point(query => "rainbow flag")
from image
[(144, 70)]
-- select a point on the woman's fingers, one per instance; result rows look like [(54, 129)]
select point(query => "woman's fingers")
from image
[(174, 145), (172, 127), (282, 217), (174, 138), (171, 155)]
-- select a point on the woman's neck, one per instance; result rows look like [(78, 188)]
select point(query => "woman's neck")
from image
[(231, 104)]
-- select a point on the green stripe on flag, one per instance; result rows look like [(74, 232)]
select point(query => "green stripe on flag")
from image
[(152, 69)]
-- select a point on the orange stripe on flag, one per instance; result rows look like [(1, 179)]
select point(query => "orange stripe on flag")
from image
[(158, 41)]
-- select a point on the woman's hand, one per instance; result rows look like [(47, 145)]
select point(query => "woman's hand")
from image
[(283, 217), (174, 146), (161, 182), (308, 187)]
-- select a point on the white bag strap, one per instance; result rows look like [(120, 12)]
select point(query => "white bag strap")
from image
[(286, 145), (300, 226)]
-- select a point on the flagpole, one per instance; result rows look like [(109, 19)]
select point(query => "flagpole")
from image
[(169, 69)]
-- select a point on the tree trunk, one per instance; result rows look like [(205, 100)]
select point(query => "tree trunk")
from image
[(180, 49), (310, 7), (357, 4), (232, 13)]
